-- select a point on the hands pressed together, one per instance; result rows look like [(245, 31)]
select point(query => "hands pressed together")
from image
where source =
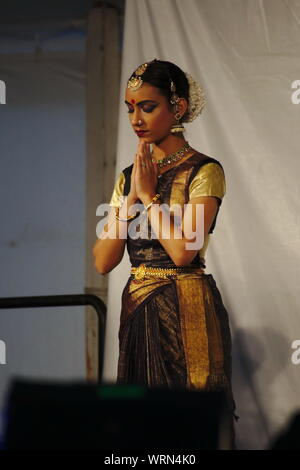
[(144, 176)]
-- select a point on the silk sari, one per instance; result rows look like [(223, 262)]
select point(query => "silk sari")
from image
[(174, 332)]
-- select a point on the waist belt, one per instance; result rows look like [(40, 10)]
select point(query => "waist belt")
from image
[(143, 271)]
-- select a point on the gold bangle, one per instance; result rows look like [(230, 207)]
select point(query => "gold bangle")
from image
[(131, 217), (157, 196)]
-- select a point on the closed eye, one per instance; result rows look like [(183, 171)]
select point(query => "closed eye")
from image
[(147, 109)]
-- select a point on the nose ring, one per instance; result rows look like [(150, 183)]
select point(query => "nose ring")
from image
[(140, 122)]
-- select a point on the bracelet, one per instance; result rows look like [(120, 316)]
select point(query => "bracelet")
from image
[(131, 217), (157, 196)]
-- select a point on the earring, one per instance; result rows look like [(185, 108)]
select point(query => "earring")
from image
[(177, 127)]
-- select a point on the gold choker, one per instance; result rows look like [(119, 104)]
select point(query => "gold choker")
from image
[(173, 157)]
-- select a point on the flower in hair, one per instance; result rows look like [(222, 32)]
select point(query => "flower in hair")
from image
[(197, 99)]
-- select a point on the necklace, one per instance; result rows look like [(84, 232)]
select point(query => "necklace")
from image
[(173, 157)]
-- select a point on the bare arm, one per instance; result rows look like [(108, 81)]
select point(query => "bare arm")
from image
[(109, 248), (175, 239)]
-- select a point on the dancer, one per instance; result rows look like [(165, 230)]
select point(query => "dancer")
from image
[(174, 329)]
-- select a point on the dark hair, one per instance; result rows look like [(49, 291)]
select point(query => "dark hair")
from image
[(159, 73)]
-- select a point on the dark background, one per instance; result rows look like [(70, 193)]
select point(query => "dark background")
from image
[(20, 10)]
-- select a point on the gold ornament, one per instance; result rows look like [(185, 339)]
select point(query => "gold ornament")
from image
[(141, 69), (136, 82), (173, 157), (142, 271), (177, 128)]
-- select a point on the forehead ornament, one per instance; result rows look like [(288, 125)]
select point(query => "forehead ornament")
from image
[(135, 81)]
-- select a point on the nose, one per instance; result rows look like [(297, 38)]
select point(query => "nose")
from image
[(136, 118)]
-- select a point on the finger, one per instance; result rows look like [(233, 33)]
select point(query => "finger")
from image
[(138, 163), (149, 156), (146, 164), (141, 148), (144, 150), (146, 155), (142, 163), (140, 157), (137, 157), (147, 150), (134, 164)]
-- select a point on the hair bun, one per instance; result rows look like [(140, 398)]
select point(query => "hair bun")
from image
[(197, 99)]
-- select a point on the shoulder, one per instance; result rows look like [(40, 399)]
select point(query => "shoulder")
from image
[(205, 165), (127, 171), (126, 178), (199, 159), (118, 190), (207, 177), (122, 186), (124, 174)]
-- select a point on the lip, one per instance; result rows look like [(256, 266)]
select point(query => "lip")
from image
[(141, 132)]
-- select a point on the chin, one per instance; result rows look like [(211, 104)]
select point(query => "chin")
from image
[(148, 139)]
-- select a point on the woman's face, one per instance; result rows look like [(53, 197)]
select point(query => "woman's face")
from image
[(151, 108)]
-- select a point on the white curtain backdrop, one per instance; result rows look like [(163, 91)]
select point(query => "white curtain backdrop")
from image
[(246, 55)]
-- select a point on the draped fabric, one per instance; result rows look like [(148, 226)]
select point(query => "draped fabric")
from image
[(245, 54), (175, 332)]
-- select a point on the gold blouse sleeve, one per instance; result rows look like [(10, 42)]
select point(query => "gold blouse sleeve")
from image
[(209, 181), (117, 195)]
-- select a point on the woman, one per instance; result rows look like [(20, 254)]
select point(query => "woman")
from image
[(174, 329)]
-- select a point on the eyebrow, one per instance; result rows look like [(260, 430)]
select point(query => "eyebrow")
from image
[(143, 102)]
